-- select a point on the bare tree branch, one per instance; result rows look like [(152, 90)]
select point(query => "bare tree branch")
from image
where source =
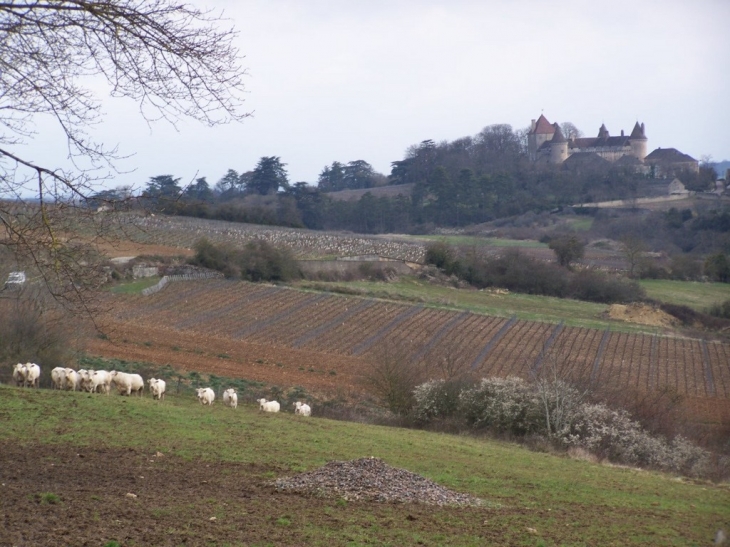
[(173, 60)]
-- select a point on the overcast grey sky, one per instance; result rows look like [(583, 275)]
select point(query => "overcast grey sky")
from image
[(346, 80)]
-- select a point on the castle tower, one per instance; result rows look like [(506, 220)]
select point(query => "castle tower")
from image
[(558, 146), (540, 131), (603, 132), (638, 140)]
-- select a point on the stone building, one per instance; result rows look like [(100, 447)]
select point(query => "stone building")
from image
[(547, 144), (665, 162)]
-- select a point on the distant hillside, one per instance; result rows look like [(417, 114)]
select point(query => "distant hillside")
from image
[(379, 192), (721, 167)]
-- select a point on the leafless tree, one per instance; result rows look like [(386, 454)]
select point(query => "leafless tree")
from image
[(570, 131), (392, 373), (633, 248), (173, 60), (448, 362), (34, 328), (561, 387)]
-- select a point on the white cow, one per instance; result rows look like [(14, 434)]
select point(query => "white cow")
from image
[(303, 409), (206, 396), (58, 377), (85, 383), (19, 374), (268, 406), (230, 398), (127, 383), (101, 380), (157, 388), (72, 380), (32, 374)]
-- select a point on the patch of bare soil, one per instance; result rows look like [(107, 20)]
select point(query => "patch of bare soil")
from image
[(52, 495), (642, 314), (278, 365)]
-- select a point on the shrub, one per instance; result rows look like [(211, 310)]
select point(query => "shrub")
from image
[(567, 249), (257, 261), (690, 317), (595, 286), (717, 267), (220, 257), (613, 435), (435, 399), (441, 255), (558, 404), (685, 268), (504, 405), (720, 310)]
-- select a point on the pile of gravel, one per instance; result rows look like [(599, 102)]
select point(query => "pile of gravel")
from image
[(372, 479)]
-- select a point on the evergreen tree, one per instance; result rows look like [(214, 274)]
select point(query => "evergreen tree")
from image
[(268, 176), (331, 178), (162, 191), (199, 191)]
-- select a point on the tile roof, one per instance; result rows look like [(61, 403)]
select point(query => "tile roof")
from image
[(543, 126), (628, 160), (585, 159), (669, 155)]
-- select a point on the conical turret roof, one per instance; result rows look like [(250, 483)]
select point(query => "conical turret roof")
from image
[(638, 132), (603, 132), (558, 135)]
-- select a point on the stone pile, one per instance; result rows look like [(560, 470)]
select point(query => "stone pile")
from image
[(371, 479)]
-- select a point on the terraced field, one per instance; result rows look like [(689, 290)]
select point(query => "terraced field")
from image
[(322, 341)]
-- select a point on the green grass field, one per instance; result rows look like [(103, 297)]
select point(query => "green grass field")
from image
[(474, 241), (524, 306), (532, 499), (134, 286), (698, 296)]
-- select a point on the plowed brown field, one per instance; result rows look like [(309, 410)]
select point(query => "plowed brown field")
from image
[(323, 341)]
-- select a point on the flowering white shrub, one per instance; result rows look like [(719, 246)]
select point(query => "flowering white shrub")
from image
[(435, 399), (612, 434), (503, 404), (555, 410), (559, 404), (686, 457)]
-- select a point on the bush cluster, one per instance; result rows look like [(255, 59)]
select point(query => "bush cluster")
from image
[(557, 411), (523, 274), (258, 260), (721, 310)]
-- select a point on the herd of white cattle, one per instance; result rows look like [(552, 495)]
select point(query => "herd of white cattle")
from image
[(102, 381)]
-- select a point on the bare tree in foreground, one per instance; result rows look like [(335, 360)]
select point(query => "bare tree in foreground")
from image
[(173, 60)]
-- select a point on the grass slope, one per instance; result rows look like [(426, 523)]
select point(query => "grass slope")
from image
[(574, 313), (476, 241), (696, 295), (532, 498)]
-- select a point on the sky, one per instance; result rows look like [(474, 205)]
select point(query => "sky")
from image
[(345, 80)]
